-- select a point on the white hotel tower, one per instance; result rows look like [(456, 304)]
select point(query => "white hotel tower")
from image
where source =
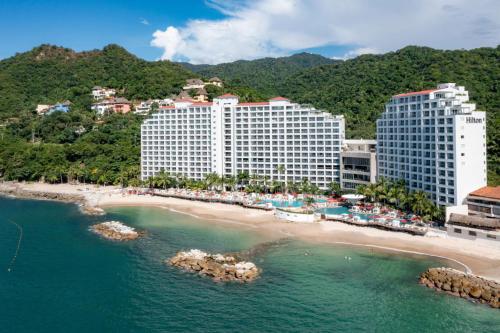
[(228, 137), (434, 140)]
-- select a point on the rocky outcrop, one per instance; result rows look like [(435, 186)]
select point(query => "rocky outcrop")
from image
[(115, 230), (462, 285), (217, 266)]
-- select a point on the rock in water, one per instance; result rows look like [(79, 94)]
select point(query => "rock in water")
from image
[(461, 284), (115, 230), (217, 266)]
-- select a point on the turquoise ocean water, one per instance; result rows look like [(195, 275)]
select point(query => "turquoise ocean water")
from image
[(65, 279)]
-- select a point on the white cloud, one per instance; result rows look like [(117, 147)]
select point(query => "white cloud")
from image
[(170, 40), (357, 52), (259, 28), (144, 21)]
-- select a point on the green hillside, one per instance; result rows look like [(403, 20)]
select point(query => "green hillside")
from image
[(107, 150), (75, 145), (264, 75), (48, 74)]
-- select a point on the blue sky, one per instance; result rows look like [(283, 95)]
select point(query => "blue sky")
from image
[(90, 24), (214, 31)]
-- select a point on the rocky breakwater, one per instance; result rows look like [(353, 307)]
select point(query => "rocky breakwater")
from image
[(463, 285), (115, 230), (217, 266)]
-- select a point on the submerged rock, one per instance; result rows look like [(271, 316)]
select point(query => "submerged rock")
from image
[(115, 230), (217, 266), (463, 285), (92, 210)]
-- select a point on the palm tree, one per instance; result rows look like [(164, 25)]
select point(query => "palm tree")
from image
[(275, 185), (381, 190), (231, 181), (334, 188), (254, 179), (280, 169), (418, 202), (212, 180), (370, 191), (308, 201), (265, 182), (163, 180), (291, 186), (393, 195), (305, 185), (243, 178)]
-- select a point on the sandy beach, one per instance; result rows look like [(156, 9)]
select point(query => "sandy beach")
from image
[(480, 259)]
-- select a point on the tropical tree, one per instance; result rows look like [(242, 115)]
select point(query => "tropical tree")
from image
[(370, 191), (281, 169), (212, 180), (308, 201), (334, 188), (275, 186), (242, 178), (254, 179), (419, 202), (230, 181)]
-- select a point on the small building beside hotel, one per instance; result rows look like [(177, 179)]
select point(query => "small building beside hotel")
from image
[(479, 219), (485, 202), (477, 228), (358, 163)]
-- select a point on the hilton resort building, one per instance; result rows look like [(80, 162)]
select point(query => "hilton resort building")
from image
[(228, 137), (435, 140)]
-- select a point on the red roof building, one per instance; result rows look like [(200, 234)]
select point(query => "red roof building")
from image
[(228, 96), (422, 92), (279, 99), (487, 192)]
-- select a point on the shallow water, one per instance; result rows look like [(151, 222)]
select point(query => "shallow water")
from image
[(66, 279)]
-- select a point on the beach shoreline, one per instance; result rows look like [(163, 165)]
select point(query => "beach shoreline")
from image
[(475, 258)]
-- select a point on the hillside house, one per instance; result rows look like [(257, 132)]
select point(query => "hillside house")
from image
[(100, 93)]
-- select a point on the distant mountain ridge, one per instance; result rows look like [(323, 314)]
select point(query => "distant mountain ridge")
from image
[(262, 74)]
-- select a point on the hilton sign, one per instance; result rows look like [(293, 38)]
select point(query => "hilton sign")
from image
[(472, 120)]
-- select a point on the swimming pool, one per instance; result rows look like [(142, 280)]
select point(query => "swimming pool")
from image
[(285, 204), (339, 211)]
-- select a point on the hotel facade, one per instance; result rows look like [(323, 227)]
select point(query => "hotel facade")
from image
[(435, 140), (358, 165), (228, 137)]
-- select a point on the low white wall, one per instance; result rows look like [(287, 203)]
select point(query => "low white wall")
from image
[(481, 236), (294, 217)]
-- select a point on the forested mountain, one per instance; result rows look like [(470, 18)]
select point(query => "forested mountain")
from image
[(75, 144), (48, 74), (107, 150), (264, 75)]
